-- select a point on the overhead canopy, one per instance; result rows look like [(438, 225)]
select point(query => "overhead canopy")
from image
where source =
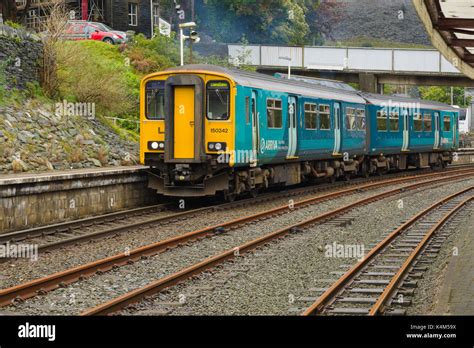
[(450, 24)]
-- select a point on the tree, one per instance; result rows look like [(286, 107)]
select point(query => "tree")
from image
[(443, 95)]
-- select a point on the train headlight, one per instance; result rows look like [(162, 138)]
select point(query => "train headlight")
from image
[(216, 146), (156, 145)]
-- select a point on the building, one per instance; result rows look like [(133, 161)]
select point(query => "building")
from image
[(141, 16)]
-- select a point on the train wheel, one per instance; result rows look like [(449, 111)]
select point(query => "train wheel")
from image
[(332, 179), (365, 170), (254, 193)]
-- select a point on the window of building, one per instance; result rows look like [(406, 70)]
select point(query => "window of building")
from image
[(132, 14), (446, 123), (155, 100), (350, 119), (310, 116), (360, 119), (156, 15), (394, 121), (381, 121), (417, 122), (324, 117), (274, 113), (427, 122), (218, 96)]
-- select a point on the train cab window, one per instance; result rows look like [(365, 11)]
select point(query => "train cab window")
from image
[(381, 121), (360, 119), (394, 121), (218, 96), (350, 119), (417, 122), (155, 100), (446, 123), (324, 117), (274, 113), (310, 116), (427, 122)]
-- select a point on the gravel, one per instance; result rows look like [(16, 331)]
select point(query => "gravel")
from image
[(285, 270), (277, 279), (17, 271)]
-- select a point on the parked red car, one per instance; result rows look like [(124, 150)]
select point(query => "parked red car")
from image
[(84, 30)]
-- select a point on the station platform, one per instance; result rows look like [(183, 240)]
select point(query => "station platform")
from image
[(31, 177), (457, 294)]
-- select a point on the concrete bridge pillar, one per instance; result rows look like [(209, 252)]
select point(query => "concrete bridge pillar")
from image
[(368, 83)]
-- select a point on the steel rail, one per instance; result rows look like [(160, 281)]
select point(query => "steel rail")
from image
[(377, 308), (156, 286), (51, 282), (335, 288), (97, 220)]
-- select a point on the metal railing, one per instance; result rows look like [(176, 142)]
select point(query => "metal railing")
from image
[(392, 60)]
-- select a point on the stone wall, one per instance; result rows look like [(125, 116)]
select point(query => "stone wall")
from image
[(20, 55), (32, 200)]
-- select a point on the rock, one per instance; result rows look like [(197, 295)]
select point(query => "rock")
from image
[(96, 162), (19, 166)]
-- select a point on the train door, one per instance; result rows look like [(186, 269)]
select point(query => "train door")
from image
[(337, 128), (184, 122), (255, 119), (455, 129), (406, 131), (292, 123), (436, 131)]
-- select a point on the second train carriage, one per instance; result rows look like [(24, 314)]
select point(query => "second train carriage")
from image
[(208, 130)]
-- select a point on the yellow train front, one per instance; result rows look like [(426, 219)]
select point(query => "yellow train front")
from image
[(186, 123)]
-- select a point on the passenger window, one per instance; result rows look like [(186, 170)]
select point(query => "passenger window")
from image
[(417, 122), (310, 116), (324, 117), (447, 123), (360, 119), (427, 122), (350, 119), (155, 100), (394, 122), (274, 113), (218, 95), (381, 121)]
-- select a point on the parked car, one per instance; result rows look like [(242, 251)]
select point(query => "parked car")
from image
[(84, 30)]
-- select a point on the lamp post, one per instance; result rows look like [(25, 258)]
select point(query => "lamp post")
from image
[(289, 65), (193, 36)]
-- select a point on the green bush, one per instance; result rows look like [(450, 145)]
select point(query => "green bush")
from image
[(96, 72)]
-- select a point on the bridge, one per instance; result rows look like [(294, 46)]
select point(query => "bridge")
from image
[(370, 67)]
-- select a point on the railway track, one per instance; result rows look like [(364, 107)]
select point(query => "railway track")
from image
[(383, 281), (155, 287), (93, 228)]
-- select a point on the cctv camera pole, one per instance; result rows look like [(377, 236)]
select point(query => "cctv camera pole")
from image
[(183, 37)]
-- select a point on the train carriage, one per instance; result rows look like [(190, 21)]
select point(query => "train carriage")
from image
[(208, 130), (410, 132)]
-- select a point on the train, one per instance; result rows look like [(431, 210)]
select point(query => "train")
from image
[(207, 130)]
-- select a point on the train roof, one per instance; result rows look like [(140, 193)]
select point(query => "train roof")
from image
[(257, 80), (301, 87), (379, 99)]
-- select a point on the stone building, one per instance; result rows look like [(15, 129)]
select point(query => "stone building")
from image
[(140, 16)]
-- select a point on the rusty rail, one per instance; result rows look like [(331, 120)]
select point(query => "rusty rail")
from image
[(168, 281), (328, 296)]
